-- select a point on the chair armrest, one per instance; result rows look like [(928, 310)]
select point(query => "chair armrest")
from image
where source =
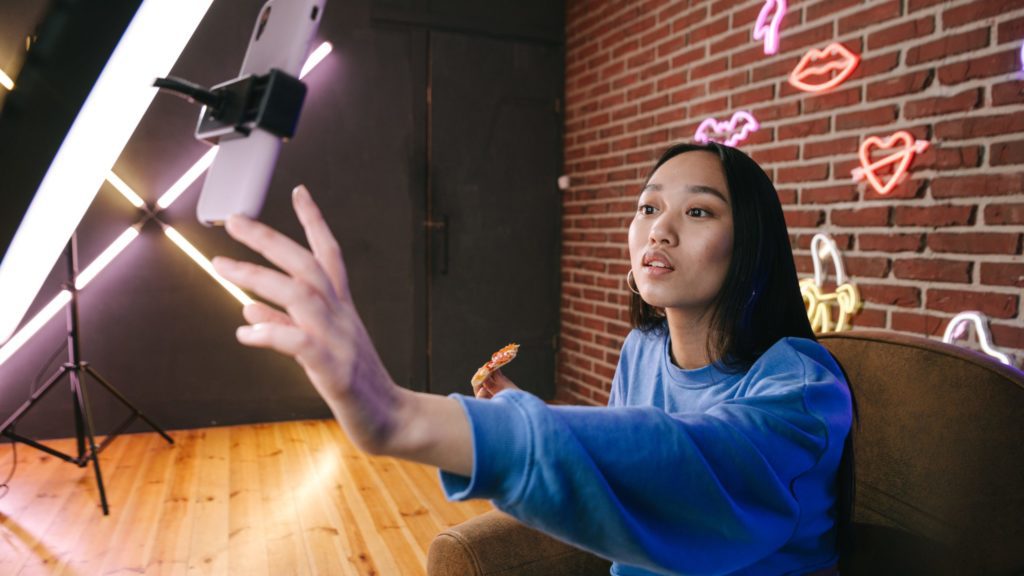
[(496, 544)]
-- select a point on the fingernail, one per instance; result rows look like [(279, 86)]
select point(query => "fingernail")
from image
[(300, 189)]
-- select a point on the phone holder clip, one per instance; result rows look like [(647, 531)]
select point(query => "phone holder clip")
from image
[(270, 102)]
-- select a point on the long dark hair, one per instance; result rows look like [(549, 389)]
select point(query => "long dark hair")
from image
[(760, 301)]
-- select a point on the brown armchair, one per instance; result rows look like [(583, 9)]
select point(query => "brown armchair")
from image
[(939, 473)]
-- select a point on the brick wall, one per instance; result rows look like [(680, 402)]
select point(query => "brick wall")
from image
[(643, 74)]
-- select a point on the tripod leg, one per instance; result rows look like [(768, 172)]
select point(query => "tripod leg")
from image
[(83, 405), (36, 396), (110, 388)]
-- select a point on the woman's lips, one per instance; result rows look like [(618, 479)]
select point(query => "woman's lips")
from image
[(812, 74)]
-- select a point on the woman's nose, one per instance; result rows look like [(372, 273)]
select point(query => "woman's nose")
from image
[(663, 232)]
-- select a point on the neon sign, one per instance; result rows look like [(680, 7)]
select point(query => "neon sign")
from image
[(1022, 57), (768, 30), (819, 304), (734, 130), (958, 326), (821, 64), (900, 157)]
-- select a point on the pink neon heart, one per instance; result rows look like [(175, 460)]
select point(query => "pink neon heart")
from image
[(738, 128), (901, 158)]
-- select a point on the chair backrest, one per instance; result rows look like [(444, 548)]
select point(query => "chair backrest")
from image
[(938, 447)]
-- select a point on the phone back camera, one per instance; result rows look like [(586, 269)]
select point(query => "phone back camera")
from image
[(314, 13)]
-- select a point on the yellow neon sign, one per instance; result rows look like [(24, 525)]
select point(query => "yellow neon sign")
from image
[(846, 297)]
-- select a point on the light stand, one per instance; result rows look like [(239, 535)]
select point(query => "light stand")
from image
[(75, 368)]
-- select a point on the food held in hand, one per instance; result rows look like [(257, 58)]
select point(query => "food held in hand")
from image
[(498, 359)]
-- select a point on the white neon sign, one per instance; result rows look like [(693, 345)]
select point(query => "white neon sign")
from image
[(846, 297), (957, 327)]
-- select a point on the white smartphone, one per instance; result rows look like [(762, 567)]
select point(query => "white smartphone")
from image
[(237, 181)]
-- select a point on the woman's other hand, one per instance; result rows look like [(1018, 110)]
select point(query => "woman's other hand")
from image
[(494, 383)]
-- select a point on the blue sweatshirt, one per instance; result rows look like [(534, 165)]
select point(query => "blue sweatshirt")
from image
[(686, 472)]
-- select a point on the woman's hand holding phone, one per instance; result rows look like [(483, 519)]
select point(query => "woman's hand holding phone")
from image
[(316, 323)]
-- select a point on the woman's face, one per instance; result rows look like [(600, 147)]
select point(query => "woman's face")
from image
[(680, 241)]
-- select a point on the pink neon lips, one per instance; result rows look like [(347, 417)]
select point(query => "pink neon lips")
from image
[(821, 70)]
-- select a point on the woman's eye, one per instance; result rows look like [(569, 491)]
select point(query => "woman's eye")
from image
[(698, 213), (646, 209)]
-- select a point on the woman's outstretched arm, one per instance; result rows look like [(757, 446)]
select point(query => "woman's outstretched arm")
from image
[(316, 322)]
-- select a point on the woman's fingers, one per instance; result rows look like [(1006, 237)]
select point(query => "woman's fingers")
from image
[(323, 243), (303, 303), (281, 251), (259, 313)]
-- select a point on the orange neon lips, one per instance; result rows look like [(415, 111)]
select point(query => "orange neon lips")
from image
[(821, 70)]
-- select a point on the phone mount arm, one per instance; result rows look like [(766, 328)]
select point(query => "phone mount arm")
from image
[(271, 102)]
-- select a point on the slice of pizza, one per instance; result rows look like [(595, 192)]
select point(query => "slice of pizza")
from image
[(498, 359)]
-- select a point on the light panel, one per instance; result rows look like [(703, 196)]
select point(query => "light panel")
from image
[(148, 49), (205, 264), (122, 242), (106, 257), (6, 80)]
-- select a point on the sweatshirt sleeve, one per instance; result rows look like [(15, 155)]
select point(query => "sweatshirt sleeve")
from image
[(695, 493)]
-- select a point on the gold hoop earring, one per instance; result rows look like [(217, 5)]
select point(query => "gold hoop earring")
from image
[(631, 282)]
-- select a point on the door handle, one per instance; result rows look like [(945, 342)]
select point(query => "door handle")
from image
[(441, 225)]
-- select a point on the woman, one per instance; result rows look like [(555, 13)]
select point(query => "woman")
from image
[(719, 450)]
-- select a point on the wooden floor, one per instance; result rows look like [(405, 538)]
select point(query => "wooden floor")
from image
[(286, 498)]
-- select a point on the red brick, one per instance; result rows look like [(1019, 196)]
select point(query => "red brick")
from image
[(709, 29), (938, 105), (709, 68), (981, 185), (1004, 153), (832, 100), (900, 85), (709, 107), (654, 36), (955, 301), (952, 158), (868, 318), (689, 94), (1004, 337), (948, 45), (864, 118), (866, 266), (1011, 92), (828, 7), (731, 82), (1011, 30), (1002, 274), (804, 128), (776, 110), (802, 173), (997, 64), (879, 13), (828, 195), (754, 96), (672, 13), (906, 296), (932, 270), (974, 11), (874, 216), (777, 154), (917, 324), (935, 216), (975, 242), (817, 37), (804, 218), (1004, 214), (878, 65), (837, 146), (727, 43), (979, 126), (891, 242), (906, 30), (843, 241)]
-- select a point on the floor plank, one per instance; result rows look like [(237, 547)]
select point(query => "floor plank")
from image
[(282, 498)]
